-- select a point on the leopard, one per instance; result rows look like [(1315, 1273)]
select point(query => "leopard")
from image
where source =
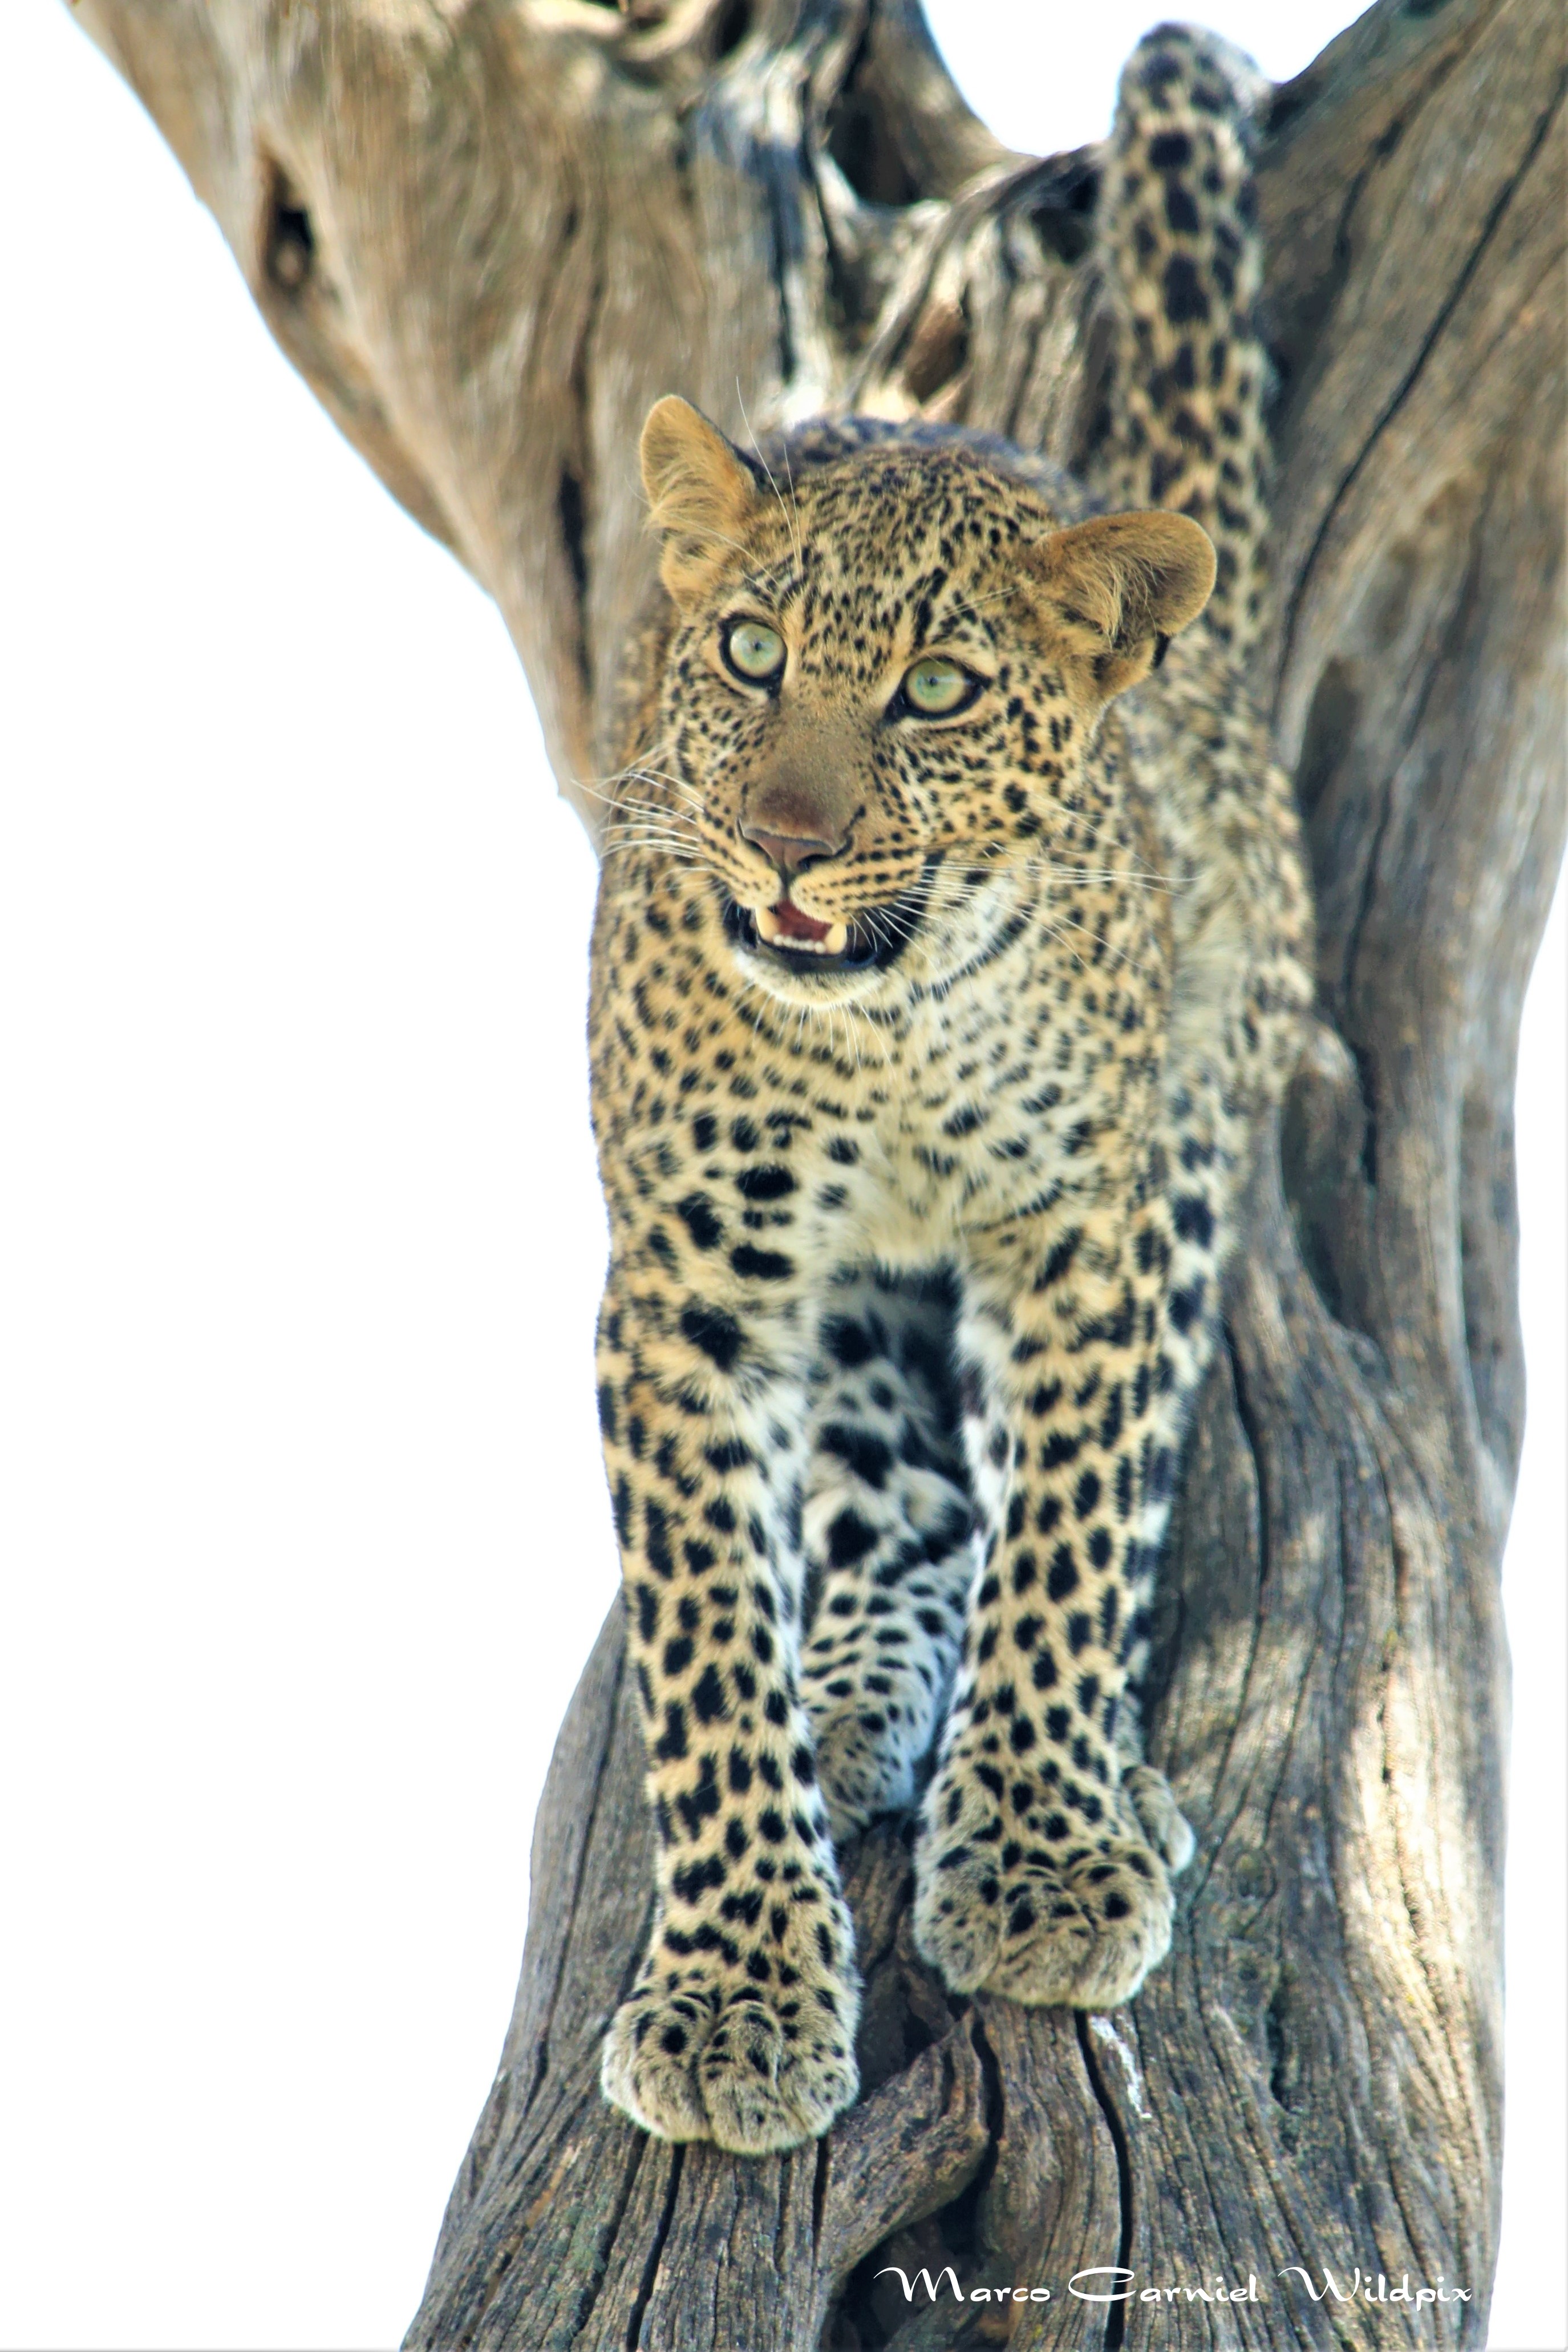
[(950, 957)]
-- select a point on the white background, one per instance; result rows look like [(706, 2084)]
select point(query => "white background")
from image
[(300, 1506)]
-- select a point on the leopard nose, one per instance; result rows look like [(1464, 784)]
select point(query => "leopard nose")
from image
[(790, 851)]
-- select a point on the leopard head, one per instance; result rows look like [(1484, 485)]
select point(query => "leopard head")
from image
[(880, 683)]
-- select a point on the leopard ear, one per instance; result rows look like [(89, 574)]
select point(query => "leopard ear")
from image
[(1112, 590), (701, 495)]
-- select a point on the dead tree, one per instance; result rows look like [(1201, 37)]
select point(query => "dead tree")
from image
[(490, 235)]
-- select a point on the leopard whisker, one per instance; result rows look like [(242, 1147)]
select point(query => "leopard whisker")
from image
[(791, 523)]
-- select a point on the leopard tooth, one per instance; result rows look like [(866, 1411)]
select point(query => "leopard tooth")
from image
[(768, 924), (837, 941)]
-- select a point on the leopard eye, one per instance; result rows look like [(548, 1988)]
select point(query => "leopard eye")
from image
[(754, 651), (936, 687)]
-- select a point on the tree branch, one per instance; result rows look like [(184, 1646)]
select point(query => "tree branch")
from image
[(490, 238)]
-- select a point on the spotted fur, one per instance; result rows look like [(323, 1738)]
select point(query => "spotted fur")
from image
[(916, 1246)]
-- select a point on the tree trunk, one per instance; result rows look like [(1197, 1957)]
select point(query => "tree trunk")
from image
[(489, 236)]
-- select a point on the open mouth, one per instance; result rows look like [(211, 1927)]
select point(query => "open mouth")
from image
[(797, 943)]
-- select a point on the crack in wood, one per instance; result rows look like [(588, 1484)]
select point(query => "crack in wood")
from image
[(1115, 2315), (655, 2252), (693, 201), (1489, 229)]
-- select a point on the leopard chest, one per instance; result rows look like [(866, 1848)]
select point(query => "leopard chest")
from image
[(734, 1137), (1021, 1087)]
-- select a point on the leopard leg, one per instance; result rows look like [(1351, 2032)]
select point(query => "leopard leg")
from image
[(740, 2027), (886, 1531), (1043, 1865)]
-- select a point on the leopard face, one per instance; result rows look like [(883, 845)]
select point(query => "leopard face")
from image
[(878, 694)]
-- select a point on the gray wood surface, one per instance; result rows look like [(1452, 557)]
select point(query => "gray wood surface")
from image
[(489, 236)]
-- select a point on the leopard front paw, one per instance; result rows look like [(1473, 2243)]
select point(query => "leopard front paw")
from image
[(753, 2074), (648, 2068), (1046, 1914)]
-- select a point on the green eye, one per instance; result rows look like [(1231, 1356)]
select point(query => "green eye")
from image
[(754, 651), (937, 687)]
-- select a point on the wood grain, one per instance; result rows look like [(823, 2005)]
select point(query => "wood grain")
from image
[(489, 236)]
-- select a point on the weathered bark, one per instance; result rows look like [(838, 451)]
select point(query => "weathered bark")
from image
[(490, 235)]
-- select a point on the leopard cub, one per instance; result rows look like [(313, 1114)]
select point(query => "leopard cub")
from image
[(945, 963)]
